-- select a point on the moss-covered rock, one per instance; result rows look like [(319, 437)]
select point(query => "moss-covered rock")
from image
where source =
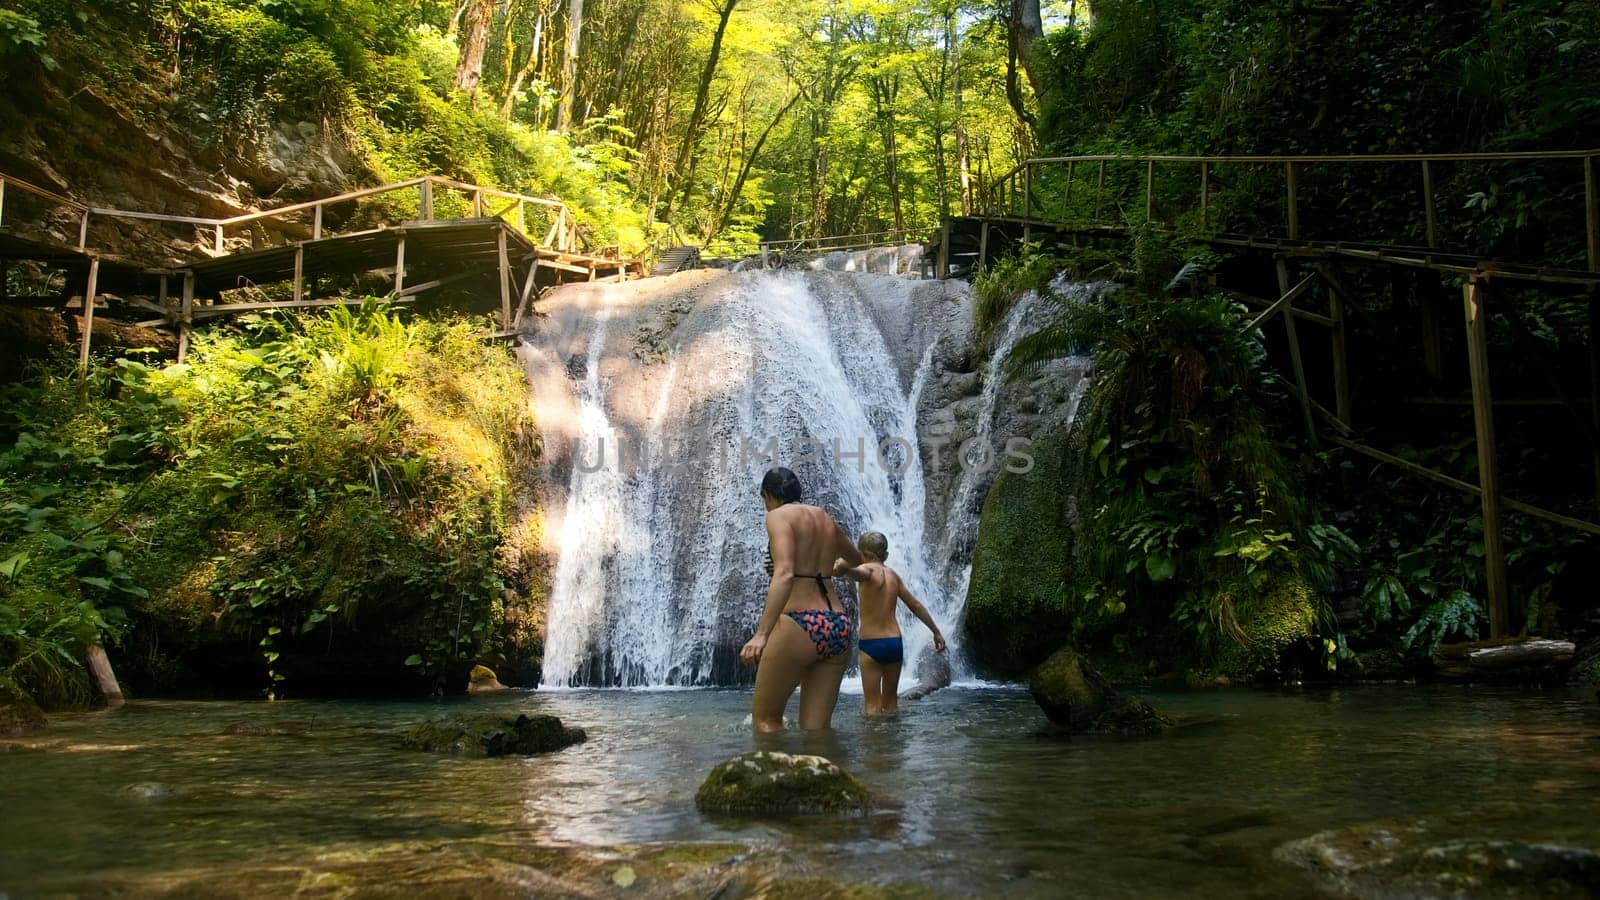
[(767, 783), (18, 713), (1070, 692), (492, 736), (1076, 697), (482, 680), (1020, 598), (1274, 622)]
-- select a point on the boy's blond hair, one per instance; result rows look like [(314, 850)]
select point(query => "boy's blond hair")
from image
[(874, 544)]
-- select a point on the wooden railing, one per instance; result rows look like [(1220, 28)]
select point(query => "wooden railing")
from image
[(558, 231), (1015, 193), (847, 242)]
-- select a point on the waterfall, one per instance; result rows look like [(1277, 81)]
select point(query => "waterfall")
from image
[(662, 402)]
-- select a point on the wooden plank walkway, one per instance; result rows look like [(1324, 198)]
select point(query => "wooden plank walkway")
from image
[(491, 240)]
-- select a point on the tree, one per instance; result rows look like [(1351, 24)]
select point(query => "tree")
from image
[(479, 16)]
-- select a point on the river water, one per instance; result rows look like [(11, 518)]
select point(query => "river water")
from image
[(978, 797)]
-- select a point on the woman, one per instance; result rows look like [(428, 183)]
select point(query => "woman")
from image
[(803, 639)]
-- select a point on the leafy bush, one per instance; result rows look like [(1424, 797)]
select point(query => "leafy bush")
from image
[(321, 488)]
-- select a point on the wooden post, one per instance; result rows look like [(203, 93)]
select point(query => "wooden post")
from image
[(1494, 552), (400, 265), (105, 678), (184, 309), (1071, 171), (83, 231), (983, 245), (1100, 191), (1431, 217), (1205, 191), (477, 204), (299, 271), (161, 293), (426, 206), (1150, 191), (316, 222), (1294, 353), (505, 279), (217, 244), (89, 292), (2, 201), (1294, 202), (1027, 189), (1341, 361), (944, 251), (1591, 195)]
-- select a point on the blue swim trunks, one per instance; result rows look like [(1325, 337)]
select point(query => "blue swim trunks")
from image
[(888, 651)]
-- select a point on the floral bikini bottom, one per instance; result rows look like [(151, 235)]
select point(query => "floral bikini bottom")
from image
[(828, 629)]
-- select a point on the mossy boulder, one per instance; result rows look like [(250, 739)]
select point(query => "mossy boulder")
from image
[(767, 783), (492, 736), (1021, 597), (1275, 623), (1076, 697), (1069, 690), (482, 680), (18, 713)]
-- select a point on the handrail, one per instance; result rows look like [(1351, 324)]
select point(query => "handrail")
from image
[(562, 235), (1001, 193)]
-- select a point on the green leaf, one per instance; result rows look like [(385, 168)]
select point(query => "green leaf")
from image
[(413, 660), (13, 564), (1160, 567)]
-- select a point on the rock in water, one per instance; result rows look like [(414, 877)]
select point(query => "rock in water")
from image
[(18, 713), (492, 736), (933, 673), (767, 783), (1074, 695), (1069, 691), (483, 681)]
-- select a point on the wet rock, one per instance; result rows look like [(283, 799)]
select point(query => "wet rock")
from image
[(933, 673), (767, 783), (483, 681), (492, 736), (1075, 696), (19, 715), (150, 790), (1403, 858), (964, 383), (267, 729)]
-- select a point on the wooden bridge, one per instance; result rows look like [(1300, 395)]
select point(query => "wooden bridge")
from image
[(1069, 200), (420, 235)]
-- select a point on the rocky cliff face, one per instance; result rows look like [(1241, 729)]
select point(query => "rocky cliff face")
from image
[(108, 127)]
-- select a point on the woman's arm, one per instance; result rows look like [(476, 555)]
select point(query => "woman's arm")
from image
[(844, 547), (921, 612), (843, 569), (780, 543)]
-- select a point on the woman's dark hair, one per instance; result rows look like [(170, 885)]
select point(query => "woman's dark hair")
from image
[(781, 483)]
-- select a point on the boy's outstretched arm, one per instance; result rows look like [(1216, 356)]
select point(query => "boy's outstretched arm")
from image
[(921, 612), (843, 569)]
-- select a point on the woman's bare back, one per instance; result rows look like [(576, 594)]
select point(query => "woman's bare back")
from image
[(808, 539)]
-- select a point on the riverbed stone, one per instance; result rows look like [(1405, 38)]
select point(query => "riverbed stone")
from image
[(1070, 692), (768, 783), (19, 715), (1405, 858), (492, 736), (482, 680)]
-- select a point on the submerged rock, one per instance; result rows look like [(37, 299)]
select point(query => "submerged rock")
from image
[(1401, 858), (933, 673), (19, 715), (483, 681), (492, 736), (768, 783), (1072, 694)]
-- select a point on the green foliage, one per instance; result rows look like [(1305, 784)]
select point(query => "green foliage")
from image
[(300, 486), (1001, 284), (19, 35), (1192, 519)]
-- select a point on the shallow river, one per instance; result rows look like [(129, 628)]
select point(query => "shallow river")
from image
[(981, 799)]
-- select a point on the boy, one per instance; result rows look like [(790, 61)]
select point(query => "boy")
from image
[(881, 650)]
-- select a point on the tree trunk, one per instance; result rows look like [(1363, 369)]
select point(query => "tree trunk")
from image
[(527, 69), (962, 158), (726, 209), (474, 41), (1020, 38), (883, 96), (686, 152), (569, 65)]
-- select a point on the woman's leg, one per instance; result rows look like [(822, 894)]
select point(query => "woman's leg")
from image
[(784, 662), (872, 684), (819, 691), (890, 703)]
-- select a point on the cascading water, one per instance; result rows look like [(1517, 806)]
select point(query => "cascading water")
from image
[(663, 401)]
